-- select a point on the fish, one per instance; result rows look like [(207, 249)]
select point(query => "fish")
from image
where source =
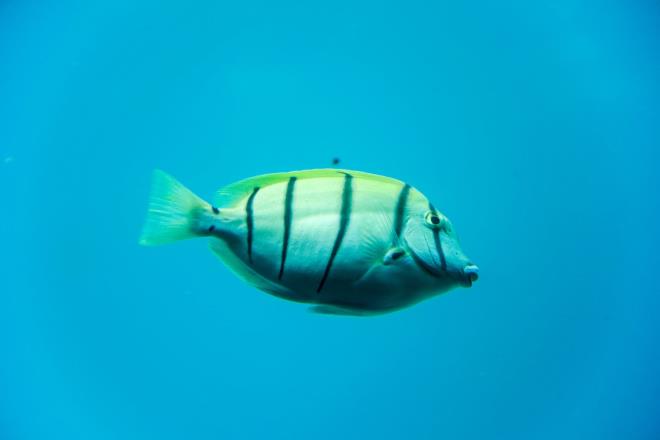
[(344, 242)]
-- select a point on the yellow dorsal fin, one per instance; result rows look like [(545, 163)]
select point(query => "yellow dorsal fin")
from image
[(229, 195)]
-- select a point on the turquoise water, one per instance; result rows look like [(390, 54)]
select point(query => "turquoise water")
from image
[(534, 127)]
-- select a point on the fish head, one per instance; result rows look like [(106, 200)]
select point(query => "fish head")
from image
[(433, 244)]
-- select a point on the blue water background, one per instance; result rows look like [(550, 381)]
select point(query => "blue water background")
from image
[(533, 125)]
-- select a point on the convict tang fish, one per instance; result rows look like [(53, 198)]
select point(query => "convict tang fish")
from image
[(346, 242)]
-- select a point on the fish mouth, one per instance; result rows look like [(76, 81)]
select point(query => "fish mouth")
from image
[(466, 277), (470, 274)]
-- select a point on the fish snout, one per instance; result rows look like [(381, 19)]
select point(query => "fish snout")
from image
[(470, 274)]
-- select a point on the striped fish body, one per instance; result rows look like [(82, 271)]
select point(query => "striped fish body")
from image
[(346, 241)]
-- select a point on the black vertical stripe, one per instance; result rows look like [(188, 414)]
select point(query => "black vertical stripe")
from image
[(249, 220), (288, 216), (422, 264), (400, 211), (438, 244), (344, 217)]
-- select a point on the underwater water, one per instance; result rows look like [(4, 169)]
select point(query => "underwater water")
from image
[(534, 127)]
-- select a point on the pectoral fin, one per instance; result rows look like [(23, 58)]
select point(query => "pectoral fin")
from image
[(393, 255)]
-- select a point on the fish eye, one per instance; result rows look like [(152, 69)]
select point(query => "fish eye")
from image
[(433, 219)]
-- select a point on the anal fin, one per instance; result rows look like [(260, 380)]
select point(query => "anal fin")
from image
[(329, 309), (324, 309)]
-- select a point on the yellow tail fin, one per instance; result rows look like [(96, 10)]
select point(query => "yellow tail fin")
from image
[(172, 211)]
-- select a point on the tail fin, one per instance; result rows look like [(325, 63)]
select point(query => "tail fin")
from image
[(172, 209)]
